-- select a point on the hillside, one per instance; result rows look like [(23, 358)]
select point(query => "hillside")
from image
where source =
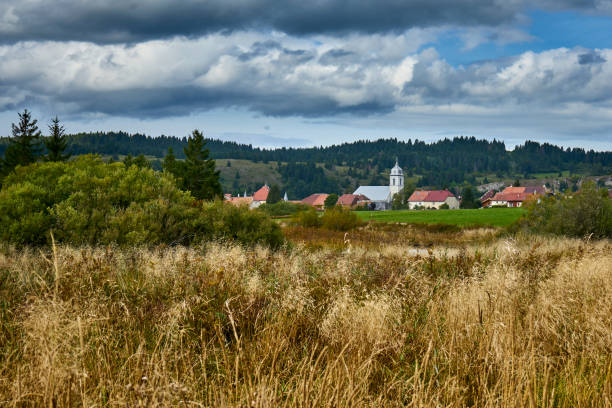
[(341, 168)]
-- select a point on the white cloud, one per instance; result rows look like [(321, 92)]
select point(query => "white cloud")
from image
[(310, 77)]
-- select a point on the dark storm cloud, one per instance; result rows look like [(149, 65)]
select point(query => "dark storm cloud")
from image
[(591, 58), (118, 21)]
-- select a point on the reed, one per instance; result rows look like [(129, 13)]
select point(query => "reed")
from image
[(470, 322)]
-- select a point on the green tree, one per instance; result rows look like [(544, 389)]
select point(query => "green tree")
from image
[(87, 201), (56, 143), (171, 165), (199, 174), (138, 161), (24, 145), (400, 200), (578, 214), (331, 200), (468, 198), (274, 195)]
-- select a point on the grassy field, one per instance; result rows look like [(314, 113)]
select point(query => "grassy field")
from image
[(363, 319), (496, 217)]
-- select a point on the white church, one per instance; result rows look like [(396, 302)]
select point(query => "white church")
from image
[(381, 196)]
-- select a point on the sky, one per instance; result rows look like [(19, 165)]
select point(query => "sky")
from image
[(320, 72)]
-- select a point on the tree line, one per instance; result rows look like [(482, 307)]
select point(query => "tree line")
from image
[(452, 159), (196, 173)]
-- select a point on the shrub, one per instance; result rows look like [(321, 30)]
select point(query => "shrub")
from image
[(444, 206), (340, 219), (87, 201), (308, 218), (580, 214), (282, 208)]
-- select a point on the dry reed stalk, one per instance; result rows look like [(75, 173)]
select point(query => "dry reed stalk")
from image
[(526, 322)]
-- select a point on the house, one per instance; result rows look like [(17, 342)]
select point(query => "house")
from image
[(352, 200), (254, 201), (380, 197), (515, 196), (485, 199), (433, 199), (316, 200), (240, 201), (260, 196)]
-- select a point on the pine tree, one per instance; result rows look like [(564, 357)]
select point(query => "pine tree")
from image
[(274, 195), (468, 199), (173, 166), (199, 175), (24, 145), (56, 143)]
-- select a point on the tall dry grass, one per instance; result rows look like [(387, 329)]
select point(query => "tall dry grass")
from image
[(508, 323)]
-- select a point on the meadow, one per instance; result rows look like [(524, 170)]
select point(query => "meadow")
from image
[(495, 217), (383, 316)]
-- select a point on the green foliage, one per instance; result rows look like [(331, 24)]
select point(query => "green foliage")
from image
[(340, 219), (444, 206), (87, 201), (198, 172), (282, 208), (468, 198), (498, 217), (331, 200), (171, 166), (580, 214), (308, 218), (138, 161), (24, 145), (400, 200), (56, 143), (274, 195)]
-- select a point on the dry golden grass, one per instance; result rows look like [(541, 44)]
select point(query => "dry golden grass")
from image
[(471, 321)]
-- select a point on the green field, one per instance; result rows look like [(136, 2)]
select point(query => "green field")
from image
[(498, 217)]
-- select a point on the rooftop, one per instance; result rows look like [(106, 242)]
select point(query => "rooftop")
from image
[(374, 193)]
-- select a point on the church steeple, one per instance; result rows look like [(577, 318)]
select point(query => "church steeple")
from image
[(396, 179)]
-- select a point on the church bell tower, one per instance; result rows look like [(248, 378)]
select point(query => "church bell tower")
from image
[(396, 179)]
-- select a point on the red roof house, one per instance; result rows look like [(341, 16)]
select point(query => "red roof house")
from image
[(515, 196), (316, 200), (351, 200), (485, 199), (240, 201), (433, 199), (261, 194)]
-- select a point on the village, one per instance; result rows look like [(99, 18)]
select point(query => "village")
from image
[(380, 198)]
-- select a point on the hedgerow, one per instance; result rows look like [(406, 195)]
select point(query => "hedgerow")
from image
[(87, 201)]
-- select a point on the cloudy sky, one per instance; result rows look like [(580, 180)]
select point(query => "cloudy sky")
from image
[(316, 72)]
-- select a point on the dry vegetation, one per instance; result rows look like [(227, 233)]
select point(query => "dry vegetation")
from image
[(476, 321)]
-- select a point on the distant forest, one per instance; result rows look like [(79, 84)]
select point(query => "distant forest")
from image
[(442, 163)]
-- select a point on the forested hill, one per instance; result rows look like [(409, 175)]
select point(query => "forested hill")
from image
[(440, 163), (467, 154)]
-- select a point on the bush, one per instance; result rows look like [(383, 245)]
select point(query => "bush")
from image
[(282, 208), (584, 213), (444, 206), (308, 218), (87, 201), (340, 219)]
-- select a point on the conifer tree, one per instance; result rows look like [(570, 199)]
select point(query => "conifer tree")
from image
[(24, 145), (199, 174), (274, 195), (56, 143), (174, 167)]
